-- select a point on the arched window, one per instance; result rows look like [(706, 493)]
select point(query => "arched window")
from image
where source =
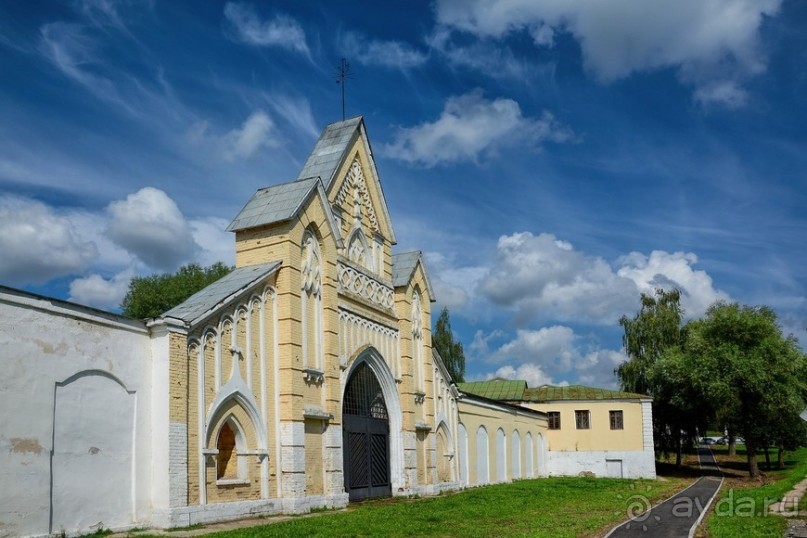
[(311, 276), (515, 458), (417, 342), (501, 456), (462, 453), (228, 443), (482, 468), (358, 251)]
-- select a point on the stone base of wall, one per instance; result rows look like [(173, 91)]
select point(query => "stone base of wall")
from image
[(217, 512), (634, 464)]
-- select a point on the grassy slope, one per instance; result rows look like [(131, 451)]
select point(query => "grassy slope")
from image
[(553, 507), (741, 506)]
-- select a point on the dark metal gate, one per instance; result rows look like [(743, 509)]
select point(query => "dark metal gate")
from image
[(365, 437)]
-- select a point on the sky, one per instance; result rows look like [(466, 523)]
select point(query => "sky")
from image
[(552, 159)]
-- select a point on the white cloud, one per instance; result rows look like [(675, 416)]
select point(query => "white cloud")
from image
[(281, 31), (384, 53), (39, 243), (672, 270), (541, 277), (533, 374), (255, 133), (217, 244), (150, 226), (550, 355), (471, 125), (99, 292), (715, 42)]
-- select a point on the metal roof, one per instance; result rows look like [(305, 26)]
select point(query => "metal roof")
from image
[(496, 389), (403, 267), (221, 292), (328, 152), (546, 393), (273, 204)]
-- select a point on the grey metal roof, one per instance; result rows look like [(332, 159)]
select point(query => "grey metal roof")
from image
[(221, 291), (403, 267), (328, 152), (273, 204)]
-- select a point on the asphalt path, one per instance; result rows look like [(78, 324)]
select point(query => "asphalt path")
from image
[(679, 515)]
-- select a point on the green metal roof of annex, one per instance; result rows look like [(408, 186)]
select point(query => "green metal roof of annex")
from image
[(496, 389), (549, 393)]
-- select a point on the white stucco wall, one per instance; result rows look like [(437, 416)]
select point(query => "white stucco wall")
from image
[(75, 416), (634, 464)]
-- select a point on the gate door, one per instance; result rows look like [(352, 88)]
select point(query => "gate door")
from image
[(365, 437)]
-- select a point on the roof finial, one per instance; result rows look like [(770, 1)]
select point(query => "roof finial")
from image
[(342, 74)]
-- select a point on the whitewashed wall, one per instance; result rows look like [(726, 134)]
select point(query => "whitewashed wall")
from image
[(75, 418), (628, 464)]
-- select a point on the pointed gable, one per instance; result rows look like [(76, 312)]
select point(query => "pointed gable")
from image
[(343, 159), (404, 266)]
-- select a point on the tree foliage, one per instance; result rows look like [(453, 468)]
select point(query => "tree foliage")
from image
[(652, 331), (150, 296), (450, 350), (739, 370)]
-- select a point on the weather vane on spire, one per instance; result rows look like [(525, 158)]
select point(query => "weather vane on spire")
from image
[(342, 74)]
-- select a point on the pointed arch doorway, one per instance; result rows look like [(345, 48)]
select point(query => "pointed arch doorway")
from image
[(365, 422)]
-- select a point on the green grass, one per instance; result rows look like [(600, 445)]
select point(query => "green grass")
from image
[(551, 507), (741, 508)]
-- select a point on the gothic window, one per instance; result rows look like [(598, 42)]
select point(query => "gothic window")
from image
[(311, 276), (358, 251), (230, 440), (417, 341)]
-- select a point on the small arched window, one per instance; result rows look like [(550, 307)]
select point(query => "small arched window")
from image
[(358, 251), (228, 454)]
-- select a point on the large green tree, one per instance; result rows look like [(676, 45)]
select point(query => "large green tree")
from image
[(449, 349), (739, 367), (150, 296), (652, 331)]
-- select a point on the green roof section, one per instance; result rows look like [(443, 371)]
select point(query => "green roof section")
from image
[(549, 393), (517, 391), (497, 389)]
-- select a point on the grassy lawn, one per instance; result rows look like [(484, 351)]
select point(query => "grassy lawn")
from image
[(741, 508), (552, 507)]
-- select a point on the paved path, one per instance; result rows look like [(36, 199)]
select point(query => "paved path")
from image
[(679, 515)]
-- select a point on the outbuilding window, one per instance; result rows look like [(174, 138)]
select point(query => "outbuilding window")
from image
[(554, 420), (616, 420), (582, 419)]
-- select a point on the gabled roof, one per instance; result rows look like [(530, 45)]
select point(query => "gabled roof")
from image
[(495, 389), (273, 204), (548, 393), (226, 289), (403, 268), (329, 151)]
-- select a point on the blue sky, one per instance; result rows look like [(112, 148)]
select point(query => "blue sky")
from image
[(553, 159)]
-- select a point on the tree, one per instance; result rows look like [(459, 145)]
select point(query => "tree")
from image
[(450, 350), (150, 296), (656, 327), (653, 330), (745, 372)]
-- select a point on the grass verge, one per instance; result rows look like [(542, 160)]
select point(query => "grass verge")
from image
[(551, 507), (742, 505)]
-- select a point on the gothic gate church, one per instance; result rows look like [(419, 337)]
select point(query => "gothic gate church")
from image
[(305, 378)]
